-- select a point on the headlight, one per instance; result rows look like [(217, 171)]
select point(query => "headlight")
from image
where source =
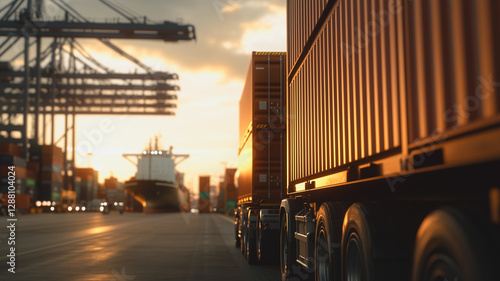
[(77, 208), (70, 208), (83, 208), (52, 209), (101, 208), (116, 203)]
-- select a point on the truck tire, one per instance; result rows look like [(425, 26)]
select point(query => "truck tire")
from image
[(357, 262), (328, 233), (243, 244), (449, 246), (251, 249), (260, 243), (237, 241)]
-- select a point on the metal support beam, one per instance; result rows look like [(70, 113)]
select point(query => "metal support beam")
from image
[(26, 85), (98, 87), (53, 92), (37, 92), (166, 31)]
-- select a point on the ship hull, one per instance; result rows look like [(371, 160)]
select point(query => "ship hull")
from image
[(158, 196)]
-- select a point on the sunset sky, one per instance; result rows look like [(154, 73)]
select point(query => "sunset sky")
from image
[(211, 69)]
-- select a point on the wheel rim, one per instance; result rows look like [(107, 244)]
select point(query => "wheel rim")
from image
[(441, 267), (322, 257), (355, 271)]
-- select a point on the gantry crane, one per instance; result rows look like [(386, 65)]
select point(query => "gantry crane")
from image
[(49, 90)]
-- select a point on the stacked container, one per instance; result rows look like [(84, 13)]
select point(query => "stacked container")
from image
[(204, 197), (50, 158), (32, 174), (11, 155), (87, 183), (230, 194)]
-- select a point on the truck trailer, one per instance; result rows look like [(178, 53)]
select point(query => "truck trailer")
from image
[(261, 156), (392, 141)]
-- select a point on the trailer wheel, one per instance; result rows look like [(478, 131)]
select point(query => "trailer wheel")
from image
[(261, 249), (251, 253), (287, 250), (449, 246), (357, 263), (237, 241), (328, 237), (243, 244)]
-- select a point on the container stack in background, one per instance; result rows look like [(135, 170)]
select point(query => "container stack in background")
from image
[(230, 193), (204, 195), (32, 179), (87, 184), (50, 162), (227, 192), (113, 190), (11, 155)]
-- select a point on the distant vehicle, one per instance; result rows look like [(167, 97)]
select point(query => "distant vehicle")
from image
[(119, 206), (107, 207)]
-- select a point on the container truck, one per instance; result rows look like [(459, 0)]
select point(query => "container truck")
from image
[(393, 141), (261, 157)]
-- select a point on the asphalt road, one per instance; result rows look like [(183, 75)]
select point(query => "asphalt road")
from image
[(91, 246)]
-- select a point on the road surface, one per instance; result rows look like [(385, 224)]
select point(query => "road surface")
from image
[(91, 246)]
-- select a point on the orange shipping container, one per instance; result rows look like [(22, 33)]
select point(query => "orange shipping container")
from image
[(52, 149), (261, 155), (50, 159), (50, 176), (11, 149), (20, 173), (22, 200), (33, 166)]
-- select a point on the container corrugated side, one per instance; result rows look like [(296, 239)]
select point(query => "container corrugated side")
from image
[(302, 17), (453, 59), (261, 152), (343, 97)]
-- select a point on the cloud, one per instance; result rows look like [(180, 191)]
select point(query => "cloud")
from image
[(265, 34)]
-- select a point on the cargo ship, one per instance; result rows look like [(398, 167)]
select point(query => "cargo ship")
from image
[(157, 185)]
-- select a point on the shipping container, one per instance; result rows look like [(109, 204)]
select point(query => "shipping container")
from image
[(6, 185), (11, 149), (52, 176), (393, 136), (204, 194), (33, 166), (262, 127), (231, 192), (49, 190), (52, 150), (23, 201), (51, 159), (55, 168), (17, 172), (9, 160)]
